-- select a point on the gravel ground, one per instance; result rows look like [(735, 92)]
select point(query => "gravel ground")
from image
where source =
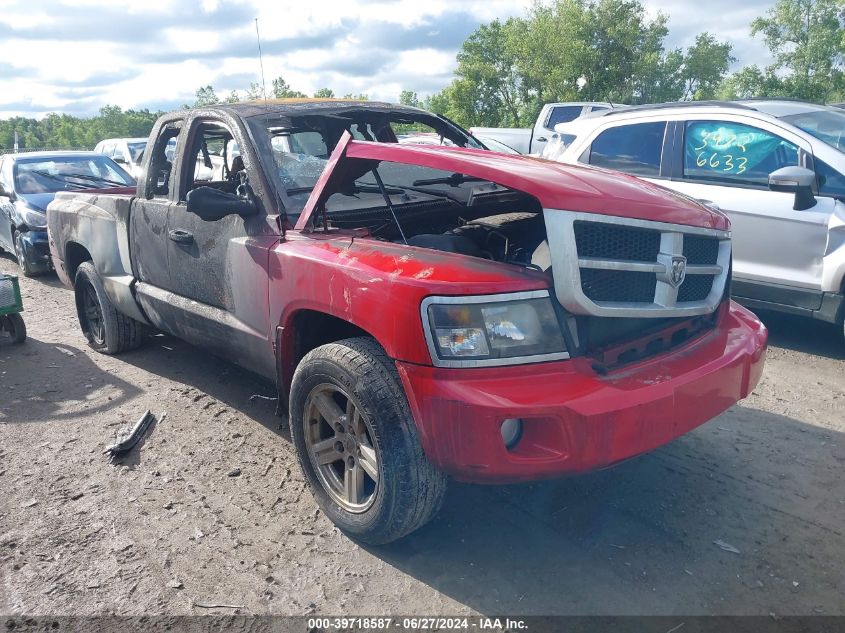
[(213, 510)]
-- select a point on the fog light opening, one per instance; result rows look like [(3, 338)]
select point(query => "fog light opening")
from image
[(511, 432)]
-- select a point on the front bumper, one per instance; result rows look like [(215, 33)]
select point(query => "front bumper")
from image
[(576, 420), (36, 249)]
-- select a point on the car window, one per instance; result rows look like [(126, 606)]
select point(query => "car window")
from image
[(68, 173), (161, 169), (831, 182), (563, 114), (209, 157), (635, 149), (5, 174), (734, 153)]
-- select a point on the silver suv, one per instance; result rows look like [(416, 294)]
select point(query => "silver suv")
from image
[(775, 167)]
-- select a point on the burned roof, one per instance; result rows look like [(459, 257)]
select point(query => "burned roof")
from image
[(286, 108)]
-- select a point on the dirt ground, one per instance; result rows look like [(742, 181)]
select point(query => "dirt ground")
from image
[(174, 525)]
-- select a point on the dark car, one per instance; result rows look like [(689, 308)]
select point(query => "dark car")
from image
[(28, 183)]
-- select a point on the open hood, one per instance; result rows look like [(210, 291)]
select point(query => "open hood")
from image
[(554, 185)]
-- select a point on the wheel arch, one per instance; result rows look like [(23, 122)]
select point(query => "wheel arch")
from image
[(303, 330), (75, 254)]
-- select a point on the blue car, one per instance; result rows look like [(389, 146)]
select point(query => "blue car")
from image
[(28, 183)]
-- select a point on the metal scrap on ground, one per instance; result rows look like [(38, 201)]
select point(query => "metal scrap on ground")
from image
[(131, 438)]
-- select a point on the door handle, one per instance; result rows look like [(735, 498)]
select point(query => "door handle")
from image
[(542, 139), (181, 236)]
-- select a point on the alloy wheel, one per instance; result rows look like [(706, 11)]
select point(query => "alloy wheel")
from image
[(341, 447), (93, 315)]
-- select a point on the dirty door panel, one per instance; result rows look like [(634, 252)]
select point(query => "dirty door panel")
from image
[(219, 267), (149, 241)]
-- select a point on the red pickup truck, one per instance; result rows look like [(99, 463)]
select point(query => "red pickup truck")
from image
[(426, 312)]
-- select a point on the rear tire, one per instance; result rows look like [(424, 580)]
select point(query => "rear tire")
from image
[(347, 411), (14, 325), (107, 330)]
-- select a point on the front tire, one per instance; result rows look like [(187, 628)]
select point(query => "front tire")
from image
[(357, 443), (26, 266), (107, 330)]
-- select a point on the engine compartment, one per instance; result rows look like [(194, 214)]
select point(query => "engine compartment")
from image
[(489, 222)]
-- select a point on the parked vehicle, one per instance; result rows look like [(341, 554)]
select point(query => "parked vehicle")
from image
[(496, 146), (775, 167), (403, 300), (533, 140), (126, 152), (432, 139), (28, 182)]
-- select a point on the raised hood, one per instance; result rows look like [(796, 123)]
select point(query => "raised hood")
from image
[(555, 185)]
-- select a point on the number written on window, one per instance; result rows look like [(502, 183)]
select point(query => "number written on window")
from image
[(720, 150)]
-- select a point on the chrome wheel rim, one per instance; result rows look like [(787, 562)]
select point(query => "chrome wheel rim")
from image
[(339, 441), (19, 253)]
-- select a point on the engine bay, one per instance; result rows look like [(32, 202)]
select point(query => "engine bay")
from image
[(469, 218)]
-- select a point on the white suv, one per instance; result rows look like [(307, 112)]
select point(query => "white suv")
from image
[(775, 167)]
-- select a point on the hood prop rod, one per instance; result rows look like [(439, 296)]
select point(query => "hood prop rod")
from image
[(389, 204)]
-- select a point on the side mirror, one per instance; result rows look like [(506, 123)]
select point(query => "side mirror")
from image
[(212, 204), (797, 180)]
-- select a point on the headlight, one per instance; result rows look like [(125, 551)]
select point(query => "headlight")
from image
[(505, 329), (33, 218)]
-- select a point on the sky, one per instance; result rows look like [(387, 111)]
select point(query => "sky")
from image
[(76, 56)]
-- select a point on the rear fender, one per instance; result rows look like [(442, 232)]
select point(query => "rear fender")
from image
[(100, 224)]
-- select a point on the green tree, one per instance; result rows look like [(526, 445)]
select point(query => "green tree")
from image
[(205, 96), (281, 90), (750, 82), (807, 40), (232, 97), (410, 98), (255, 92), (704, 67), (324, 93)]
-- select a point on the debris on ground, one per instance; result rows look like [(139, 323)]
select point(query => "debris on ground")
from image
[(133, 436), (726, 546)]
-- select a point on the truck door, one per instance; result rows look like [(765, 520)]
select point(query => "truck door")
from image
[(149, 243), (219, 268)]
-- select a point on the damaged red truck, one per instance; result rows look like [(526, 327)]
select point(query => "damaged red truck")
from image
[(426, 312)]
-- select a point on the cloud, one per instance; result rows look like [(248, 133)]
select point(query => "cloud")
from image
[(7, 71), (114, 23), (78, 55), (446, 31)]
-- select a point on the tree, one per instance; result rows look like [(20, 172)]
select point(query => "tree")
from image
[(704, 66), (807, 40), (410, 98), (281, 90), (751, 82), (233, 97), (255, 92), (205, 96), (487, 88), (324, 93)]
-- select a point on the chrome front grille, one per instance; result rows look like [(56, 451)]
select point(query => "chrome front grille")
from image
[(610, 266)]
